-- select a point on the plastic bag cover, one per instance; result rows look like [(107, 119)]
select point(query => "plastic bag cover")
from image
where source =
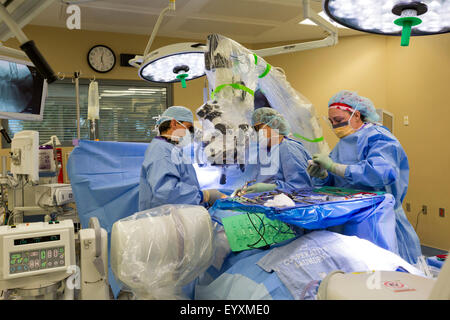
[(157, 251)]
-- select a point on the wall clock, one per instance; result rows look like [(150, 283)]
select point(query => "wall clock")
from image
[(101, 58)]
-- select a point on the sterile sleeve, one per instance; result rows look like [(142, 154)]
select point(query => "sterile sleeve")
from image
[(379, 168), (166, 185), (295, 176), (328, 181)]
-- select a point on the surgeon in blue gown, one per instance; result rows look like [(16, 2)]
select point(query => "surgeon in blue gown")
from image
[(167, 176), (281, 162), (367, 157)]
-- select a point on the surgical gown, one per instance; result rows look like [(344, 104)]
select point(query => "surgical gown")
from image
[(376, 161), (167, 177), (285, 165)]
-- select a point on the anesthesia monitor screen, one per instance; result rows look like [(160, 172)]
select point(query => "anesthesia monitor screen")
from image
[(21, 91)]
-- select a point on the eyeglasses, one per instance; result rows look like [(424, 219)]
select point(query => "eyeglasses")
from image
[(190, 128)]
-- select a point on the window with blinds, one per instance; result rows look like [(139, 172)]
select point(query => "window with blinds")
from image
[(127, 111)]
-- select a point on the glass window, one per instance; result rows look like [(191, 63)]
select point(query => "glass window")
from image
[(127, 111)]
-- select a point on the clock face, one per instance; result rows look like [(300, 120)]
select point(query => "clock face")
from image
[(101, 58)]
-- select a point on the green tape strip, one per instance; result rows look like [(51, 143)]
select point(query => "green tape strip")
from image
[(233, 85), (256, 58), (268, 67), (306, 139)]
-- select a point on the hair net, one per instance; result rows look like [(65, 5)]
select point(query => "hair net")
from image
[(272, 118), (361, 104), (178, 113)]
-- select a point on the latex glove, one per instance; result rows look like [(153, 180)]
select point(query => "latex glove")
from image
[(325, 162), (258, 187), (212, 195), (316, 171)]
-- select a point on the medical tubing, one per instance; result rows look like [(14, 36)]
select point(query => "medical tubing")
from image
[(260, 235), (77, 97)]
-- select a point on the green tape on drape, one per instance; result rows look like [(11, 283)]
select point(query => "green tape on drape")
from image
[(268, 67), (306, 139), (233, 85)]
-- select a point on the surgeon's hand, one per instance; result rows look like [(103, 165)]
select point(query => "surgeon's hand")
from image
[(258, 187), (323, 160), (212, 195), (316, 171)]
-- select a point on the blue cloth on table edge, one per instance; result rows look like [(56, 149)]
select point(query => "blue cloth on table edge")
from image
[(434, 262)]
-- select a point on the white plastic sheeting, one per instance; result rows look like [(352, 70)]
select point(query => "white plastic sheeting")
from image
[(239, 82), (158, 251)]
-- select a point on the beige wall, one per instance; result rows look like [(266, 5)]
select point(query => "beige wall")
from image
[(418, 86), (411, 81)]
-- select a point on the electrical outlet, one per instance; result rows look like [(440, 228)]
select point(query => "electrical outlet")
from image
[(424, 209), (408, 207), (441, 212)]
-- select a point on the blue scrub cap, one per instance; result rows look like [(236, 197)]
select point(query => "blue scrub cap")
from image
[(272, 118), (178, 113), (353, 100)]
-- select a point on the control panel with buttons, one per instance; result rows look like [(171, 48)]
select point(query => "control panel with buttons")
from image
[(33, 260), (37, 248)]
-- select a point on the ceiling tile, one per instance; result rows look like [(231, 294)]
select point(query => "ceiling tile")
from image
[(225, 28), (252, 9)]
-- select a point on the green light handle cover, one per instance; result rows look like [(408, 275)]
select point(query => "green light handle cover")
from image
[(182, 78)]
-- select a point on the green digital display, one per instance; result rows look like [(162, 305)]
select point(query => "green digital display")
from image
[(19, 242)]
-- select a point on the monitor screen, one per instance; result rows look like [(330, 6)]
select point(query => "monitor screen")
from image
[(22, 90)]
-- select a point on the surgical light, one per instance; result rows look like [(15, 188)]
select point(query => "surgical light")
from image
[(174, 63), (323, 15), (392, 17)]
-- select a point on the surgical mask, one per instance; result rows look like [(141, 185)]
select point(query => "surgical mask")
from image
[(187, 138), (344, 128)]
